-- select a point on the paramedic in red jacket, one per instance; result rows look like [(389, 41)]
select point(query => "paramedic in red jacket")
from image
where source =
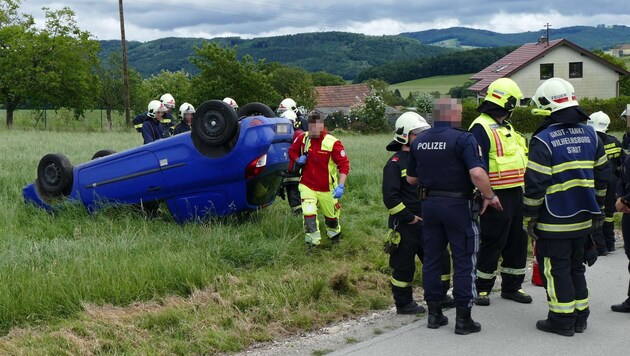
[(324, 173)]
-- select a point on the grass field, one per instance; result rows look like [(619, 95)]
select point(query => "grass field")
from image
[(440, 83), (63, 120), (118, 282)]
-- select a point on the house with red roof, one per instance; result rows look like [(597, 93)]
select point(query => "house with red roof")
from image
[(341, 98), (533, 63)]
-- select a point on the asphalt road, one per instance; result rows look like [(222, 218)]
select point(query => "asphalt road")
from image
[(509, 328)]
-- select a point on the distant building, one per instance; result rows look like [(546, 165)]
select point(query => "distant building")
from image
[(621, 50), (532, 63), (341, 98)]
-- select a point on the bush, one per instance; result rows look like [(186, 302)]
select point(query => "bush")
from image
[(525, 122), (370, 116)]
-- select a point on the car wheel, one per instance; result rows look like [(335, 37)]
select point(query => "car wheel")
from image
[(215, 123), (54, 174), (252, 109), (103, 153)]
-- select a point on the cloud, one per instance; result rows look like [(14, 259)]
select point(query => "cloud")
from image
[(150, 19)]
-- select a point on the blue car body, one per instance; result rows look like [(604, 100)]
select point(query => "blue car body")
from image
[(174, 171)]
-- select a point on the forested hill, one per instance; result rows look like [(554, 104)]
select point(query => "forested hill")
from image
[(341, 53), (600, 37)]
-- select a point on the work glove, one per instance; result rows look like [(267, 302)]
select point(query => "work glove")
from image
[(302, 159), (590, 251), (598, 221), (338, 193), (529, 224)]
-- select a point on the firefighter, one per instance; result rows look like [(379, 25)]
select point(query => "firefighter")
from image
[(445, 162), (168, 122), (324, 172), (402, 200), (186, 112), (151, 129), (565, 186), (290, 104), (231, 102), (502, 236), (605, 237), (623, 205), (291, 178)]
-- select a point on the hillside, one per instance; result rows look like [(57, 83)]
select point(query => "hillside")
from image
[(341, 53), (585, 36), (440, 83)]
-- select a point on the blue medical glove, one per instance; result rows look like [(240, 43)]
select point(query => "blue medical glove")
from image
[(302, 159), (338, 193)]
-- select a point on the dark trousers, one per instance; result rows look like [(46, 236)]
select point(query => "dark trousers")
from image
[(403, 263), (562, 271), (502, 235), (608, 230), (449, 221), (293, 196), (625, 230)]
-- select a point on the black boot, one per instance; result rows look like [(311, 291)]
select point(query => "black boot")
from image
[(464, 324), (550, 327), (448, 302), (436, 318), (410, 309)]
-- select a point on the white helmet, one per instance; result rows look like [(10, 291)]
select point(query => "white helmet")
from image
[(408, 122), (231, 102), (287, 104), (186, 108), (154, 107), (599, 120), (289, 114), (555, 94), (168, 101)]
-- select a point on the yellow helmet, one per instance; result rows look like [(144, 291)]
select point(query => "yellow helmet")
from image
[(505, 93)]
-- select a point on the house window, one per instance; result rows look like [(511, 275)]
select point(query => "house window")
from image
[(575, 70), (546, 71)]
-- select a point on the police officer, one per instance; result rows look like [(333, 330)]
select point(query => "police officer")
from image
[(324, 172), (565, 186), (405, 222), (445, 162), (605, 237), (186, 112), (168, 122), (151, 129), (623, 205), (502, 236)]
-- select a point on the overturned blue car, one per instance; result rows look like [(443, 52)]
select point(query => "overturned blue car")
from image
[(225, 165)]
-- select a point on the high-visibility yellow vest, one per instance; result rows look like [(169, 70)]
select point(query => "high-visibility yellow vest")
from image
[(507, 157), (327, 145)]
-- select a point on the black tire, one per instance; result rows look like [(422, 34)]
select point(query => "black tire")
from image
[(253, 109), (215, 123), (103, 153), (54, 174)]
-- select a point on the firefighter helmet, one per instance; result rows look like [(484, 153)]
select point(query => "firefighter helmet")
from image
[(186, 108), (154, 107), (168, 101), (287, 104), (505, 93), (231, 102), (555, 94), (599, 120), (289, 114), (409, 123)]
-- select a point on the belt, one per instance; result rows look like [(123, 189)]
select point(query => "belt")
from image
[(448, 194)]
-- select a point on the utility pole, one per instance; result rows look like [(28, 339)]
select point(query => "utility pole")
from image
[(125, 67), (548, 25)]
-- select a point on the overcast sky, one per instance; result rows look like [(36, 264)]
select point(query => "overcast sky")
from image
[(146, 20)]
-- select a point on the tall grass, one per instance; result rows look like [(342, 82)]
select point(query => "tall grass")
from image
[(119, 282)]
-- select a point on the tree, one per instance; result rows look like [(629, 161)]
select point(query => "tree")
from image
[(294, 83), (53, 66), (222, 74), (324, 79), (369, 117), (462, 91), (111, 86), (383, 89), (178, 84), (423, 102)]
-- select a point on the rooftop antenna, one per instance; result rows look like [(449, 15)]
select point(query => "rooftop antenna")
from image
[(548, 25)]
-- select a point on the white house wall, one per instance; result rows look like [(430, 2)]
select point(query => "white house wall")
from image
[(598, 81)]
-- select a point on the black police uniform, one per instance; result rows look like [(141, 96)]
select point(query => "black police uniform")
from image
[(151, 131), (403, 202), (605, 237), (623, 192), (441, 159), (181, 128), (566, 161)]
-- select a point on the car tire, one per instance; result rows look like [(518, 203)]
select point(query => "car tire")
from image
[(103, 153), (54, 174), (214, 124), (253, 109)]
